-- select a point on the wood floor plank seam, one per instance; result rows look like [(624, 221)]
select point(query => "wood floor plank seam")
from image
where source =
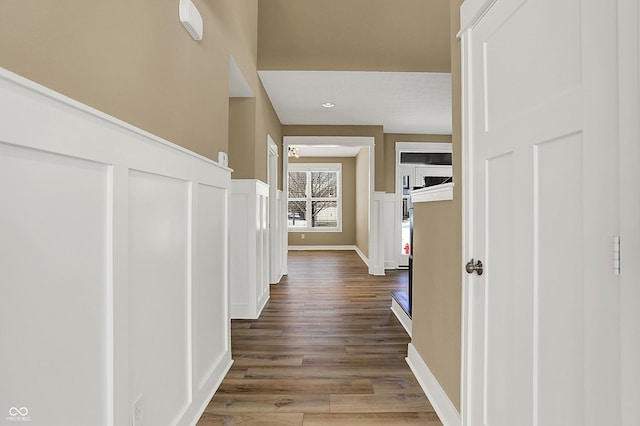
[(326, 350)]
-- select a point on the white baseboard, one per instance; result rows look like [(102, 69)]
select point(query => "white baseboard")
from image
[(328, 248), (401, 315), (362, 256), (445, 409), (261, 305), (218, 380), (390, 265)]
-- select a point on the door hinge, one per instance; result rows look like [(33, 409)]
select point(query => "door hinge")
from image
[(616, 255)]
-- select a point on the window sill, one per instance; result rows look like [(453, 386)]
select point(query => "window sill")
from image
[(442, 192)]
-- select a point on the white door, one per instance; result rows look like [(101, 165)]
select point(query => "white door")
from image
[(541, 329)]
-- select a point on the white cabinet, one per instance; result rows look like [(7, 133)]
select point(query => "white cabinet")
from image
[(248, 247)]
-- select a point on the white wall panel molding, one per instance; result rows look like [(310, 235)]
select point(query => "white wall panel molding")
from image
[(115, 243), (248, 248), (376, 241), (388, 233), (471, 11)]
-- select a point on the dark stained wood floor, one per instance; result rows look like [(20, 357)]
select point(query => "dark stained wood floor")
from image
[(327, 350)]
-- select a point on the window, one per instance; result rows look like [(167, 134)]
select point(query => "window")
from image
[(314, 199)]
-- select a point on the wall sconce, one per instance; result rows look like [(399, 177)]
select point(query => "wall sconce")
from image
[(293, 152), (190, 18)]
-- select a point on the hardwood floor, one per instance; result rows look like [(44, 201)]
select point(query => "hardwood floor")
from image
[(327, 350)]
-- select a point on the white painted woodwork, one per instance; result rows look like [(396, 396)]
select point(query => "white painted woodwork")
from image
[(284, 232), (442, 192), (248, 247), (275, 224), (113, 269), (158, 292), (401, 315), (388, 233), (542, 335), (377, 234), (443, 406), (53, 283), (629, 193)]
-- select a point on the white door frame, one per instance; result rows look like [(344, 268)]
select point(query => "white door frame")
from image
[(275, 271), (367, 141), (435, 147), (629, 158)]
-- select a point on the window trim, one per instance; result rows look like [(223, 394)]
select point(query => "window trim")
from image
[(316, 167)]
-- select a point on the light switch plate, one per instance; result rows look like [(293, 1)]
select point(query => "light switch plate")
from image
[(223, 159)]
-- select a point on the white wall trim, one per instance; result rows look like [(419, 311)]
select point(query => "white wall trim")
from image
[(123, 184), (199, 410), (445, 409), (442, 192), (388, 229), (249, 281), (319, 248), (471, 11), (629, 196), (364, 258), (333, 248), (401, 315)]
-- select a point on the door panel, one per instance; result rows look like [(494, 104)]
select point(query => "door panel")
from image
[(502, 298), (558, 283)]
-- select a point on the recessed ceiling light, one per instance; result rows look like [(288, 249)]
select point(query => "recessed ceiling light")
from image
[(328, 105)]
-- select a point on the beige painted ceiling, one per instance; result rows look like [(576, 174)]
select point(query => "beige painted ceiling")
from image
[(382, 62)]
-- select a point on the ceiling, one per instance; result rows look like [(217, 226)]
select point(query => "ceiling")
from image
[(402, 102)]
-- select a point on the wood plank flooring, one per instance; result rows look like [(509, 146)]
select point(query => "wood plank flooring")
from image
[(327, 350)]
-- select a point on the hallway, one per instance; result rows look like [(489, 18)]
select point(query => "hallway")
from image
[(326, 350)]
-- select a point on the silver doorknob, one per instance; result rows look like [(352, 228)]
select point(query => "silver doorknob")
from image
[(477, 267)]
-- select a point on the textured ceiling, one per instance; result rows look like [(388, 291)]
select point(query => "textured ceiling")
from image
[(402, 102)]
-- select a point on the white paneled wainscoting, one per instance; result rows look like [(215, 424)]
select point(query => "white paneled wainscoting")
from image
[(248, 248), (113, 267)]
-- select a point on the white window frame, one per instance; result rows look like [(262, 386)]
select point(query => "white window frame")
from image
[(316, 167)]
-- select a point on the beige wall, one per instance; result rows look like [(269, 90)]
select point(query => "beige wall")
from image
[(267, 123), (348, 234), (390, 140), (362, 200), (437, 290), (369, 35), (135, 61), (242, 118)]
